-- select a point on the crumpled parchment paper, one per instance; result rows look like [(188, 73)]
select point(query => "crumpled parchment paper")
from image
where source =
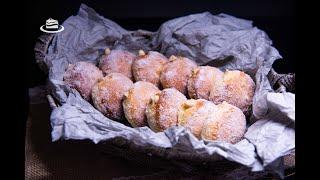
[(219, 40)]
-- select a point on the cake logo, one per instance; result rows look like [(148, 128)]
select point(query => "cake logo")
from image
[(52, 26)]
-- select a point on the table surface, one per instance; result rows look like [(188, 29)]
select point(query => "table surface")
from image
[(45, 159)]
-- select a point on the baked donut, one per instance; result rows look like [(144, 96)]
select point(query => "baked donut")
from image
[(82, 76), (147, 67), (193, 113), (201, 81), (162, 110), (135, 102), (227, 123), (117, 61), (107, 94), (237, 88), (176, 72)]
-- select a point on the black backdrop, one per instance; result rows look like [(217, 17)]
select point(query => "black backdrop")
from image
[(274, 17)]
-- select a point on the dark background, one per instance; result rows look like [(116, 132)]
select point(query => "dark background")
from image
[(274, 17)]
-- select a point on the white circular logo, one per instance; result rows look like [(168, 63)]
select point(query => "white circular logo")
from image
[(51, 26)]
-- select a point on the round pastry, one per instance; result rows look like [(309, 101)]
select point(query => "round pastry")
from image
[(193, 113), (162, 110), (107, 94), (117, 61), (227, 123), (135, 102), (147, 67), (82, 76), (237, 88), (201, 81), (175, 74)]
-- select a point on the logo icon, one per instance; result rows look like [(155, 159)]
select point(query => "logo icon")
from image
[(52, 26)]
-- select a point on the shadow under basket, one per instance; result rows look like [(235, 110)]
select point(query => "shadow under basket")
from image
[(173, 165)]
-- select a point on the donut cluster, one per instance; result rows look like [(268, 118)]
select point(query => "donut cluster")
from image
[(149, 89)]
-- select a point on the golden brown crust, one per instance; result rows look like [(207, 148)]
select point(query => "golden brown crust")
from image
[(201, 81), (152, 113), (240, 88), (175, 73), (147, 67), (192, 114), (117, 61), (107, 94), (135, 102), (227, 123), (162, 110), (237, 88)]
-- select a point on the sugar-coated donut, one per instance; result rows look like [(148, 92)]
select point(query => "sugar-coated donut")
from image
[(117, 61), (107, 94), (135, 102), (192, 114), (82, 76), (201, 81), (162, 110), (176, 72), (227, 123), (237, 88), (147, 67)]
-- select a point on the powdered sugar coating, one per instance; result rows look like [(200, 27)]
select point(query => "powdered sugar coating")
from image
[(201, 81), (162, 110), (237, 88), (227, 123), (175, 74), (192, 114), (82, 76), (148, 67), (119, 61), (135, 102), (107, 94)]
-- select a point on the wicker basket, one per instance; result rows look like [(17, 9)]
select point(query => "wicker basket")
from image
[(223, 168)]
